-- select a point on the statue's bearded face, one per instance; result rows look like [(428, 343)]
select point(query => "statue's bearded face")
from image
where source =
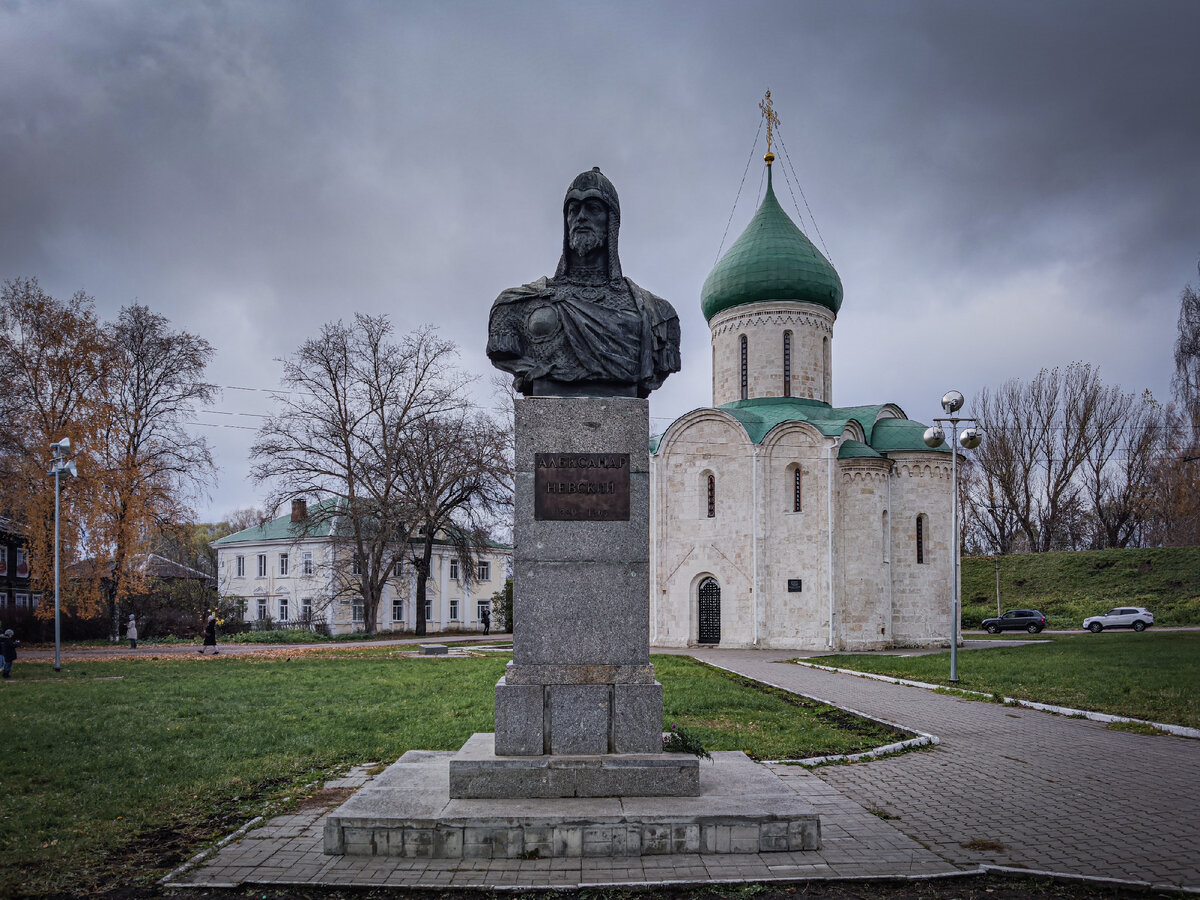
[(587, 224)]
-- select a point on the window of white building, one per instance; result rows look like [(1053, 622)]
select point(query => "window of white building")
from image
[(283, 609), (454, 569), (283, 564), (306, 608), (429, 611), (22, 600), (453, 610), (262, 609), (356, 565), (397, 610), (240, 566), (356, 612), (398, 568), (482, 606), (262, 565), (483, 570), (306, 562), (921, 519)]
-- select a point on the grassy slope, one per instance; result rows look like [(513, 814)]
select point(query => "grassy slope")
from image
[(1068, 587), (1152, 675)]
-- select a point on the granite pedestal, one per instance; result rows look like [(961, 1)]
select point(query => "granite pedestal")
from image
[(580, 683), (406, 811)]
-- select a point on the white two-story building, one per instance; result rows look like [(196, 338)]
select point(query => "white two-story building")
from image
[(287, 571)]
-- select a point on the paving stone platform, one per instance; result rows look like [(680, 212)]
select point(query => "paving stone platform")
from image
[(407, 812)]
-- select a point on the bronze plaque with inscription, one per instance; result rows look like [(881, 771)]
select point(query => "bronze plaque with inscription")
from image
[(581, 487)]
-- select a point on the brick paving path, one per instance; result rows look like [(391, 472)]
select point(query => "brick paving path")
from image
[(1060, 794)]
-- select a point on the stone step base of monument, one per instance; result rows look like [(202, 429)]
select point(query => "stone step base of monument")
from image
[(477, 772), (406, 811)]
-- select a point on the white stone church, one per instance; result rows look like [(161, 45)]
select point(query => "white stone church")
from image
[(778, 519)]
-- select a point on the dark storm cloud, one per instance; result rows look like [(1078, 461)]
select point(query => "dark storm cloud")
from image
[(1002, 186)]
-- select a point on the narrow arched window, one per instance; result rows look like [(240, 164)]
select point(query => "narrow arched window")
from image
[(712, 497), (787, 367), (885, 538), (796, 496), (826, 373), (921, 539), (745, 368)]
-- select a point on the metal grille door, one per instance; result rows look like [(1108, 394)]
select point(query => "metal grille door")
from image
[(710, 612)]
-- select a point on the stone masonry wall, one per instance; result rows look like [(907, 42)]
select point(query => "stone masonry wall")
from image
[(863, 602), (763, 324), (794, 545), (687, 544), (920, 591)]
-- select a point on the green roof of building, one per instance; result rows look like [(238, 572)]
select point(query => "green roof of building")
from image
[(901, 434), (772, 260), (851, 449), (884, 435), (282, 528)]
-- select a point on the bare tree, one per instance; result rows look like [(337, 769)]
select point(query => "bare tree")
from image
[(1187, 365), (458, 478), (1117, 473), (152, 464), (1039, 435), (353, 394)]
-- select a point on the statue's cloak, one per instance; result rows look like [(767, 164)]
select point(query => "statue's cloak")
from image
[(612, 333)]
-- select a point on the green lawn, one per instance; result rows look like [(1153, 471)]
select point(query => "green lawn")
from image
[(1152, 675), (115, 772)]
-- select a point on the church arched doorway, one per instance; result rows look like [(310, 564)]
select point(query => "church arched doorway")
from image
[(710, 612)]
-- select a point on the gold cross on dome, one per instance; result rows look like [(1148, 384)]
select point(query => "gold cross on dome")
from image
[(772, 119)]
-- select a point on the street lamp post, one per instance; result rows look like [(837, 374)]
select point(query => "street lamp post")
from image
[(970, 438), (58, 467)]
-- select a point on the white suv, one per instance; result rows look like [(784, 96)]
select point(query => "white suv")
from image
[(1136, 617)]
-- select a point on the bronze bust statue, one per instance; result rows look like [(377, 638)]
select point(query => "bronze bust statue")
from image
[(588, 331)]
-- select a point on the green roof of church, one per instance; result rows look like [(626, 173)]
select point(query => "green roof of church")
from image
[(887, 435), (772, 260)]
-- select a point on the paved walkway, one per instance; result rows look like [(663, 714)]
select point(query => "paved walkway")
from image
[(1006, 787), (1058, 794)]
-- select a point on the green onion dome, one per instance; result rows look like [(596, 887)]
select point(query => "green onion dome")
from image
[(772, 260)]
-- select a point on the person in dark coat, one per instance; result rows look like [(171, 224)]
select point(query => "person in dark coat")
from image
[(486, 618), (210, 635), (8, 651)]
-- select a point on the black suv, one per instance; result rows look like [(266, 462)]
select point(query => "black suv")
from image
[(1028, 619)]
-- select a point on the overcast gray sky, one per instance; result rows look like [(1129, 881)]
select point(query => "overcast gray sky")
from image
[(1002, 186)]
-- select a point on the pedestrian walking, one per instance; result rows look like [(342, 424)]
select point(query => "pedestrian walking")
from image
[(131, 632), (486, 618), (8, 651), (210, 635)]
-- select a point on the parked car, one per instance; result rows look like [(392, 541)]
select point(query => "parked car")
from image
[(1136, 617), (1016, 619)]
